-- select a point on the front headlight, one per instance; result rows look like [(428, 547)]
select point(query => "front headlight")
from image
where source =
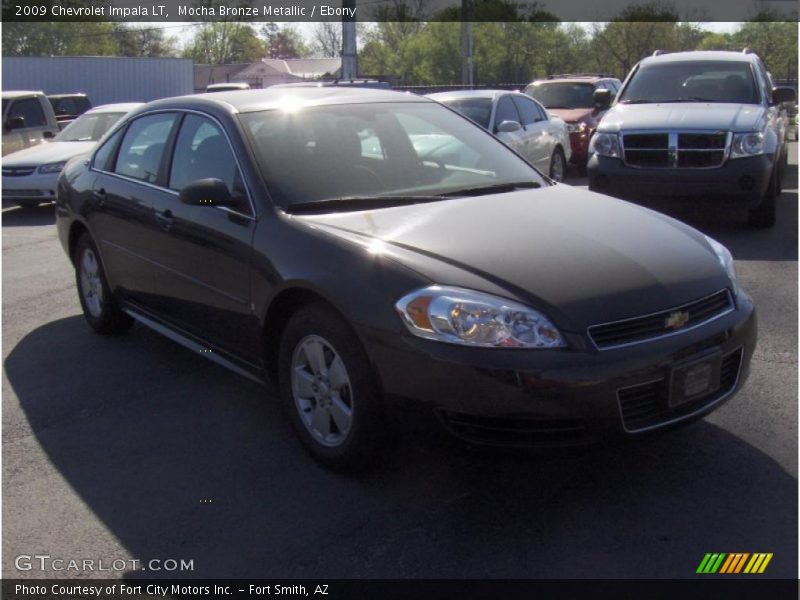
[(605, 144), (725, 259), (747, 144), (579, 127), (470, 318), (52, 167)]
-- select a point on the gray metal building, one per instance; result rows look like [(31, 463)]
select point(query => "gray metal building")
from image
[(105, 79)]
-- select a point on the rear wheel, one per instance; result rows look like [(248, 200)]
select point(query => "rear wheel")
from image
[(99, 307), (328, 386), (763, 215), (558, 165)]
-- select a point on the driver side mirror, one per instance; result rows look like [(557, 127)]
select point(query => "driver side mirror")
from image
[(783, 94), (509, 127), (17, 122), (207, 192), (602, 99)]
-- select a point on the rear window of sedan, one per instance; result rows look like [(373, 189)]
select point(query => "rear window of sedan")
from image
[(476, 109)]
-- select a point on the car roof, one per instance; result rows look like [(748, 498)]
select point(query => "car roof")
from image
[(490, 94), (118, 107), (244, 101), (717, 55), (20, 94), (73, 95), (585, 78)]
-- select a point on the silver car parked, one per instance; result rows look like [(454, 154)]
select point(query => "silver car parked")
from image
[(519, 121)]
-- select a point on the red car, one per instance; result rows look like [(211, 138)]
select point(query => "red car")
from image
[(571, 98)]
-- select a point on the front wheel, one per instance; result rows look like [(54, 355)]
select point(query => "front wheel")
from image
[(329, 389), (99, 307), (558, 165)]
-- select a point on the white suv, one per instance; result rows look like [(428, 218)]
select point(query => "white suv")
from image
[(696, 124)]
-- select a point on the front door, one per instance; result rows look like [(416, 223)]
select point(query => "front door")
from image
[(203, 280)]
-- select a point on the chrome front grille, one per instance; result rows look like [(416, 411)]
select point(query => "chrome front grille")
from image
[(675, 150), (663, 323)]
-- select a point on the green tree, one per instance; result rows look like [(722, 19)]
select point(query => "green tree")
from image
[(283, 42), (225, 42), (774, 41), (147, 41), (91, 38)]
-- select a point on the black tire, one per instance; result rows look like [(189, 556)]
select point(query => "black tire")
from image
[(763, 215), (360, 446), (558, 157), (581, 169), (109, 319)]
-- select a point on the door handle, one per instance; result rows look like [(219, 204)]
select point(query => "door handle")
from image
[(165, 219), (99, 196)]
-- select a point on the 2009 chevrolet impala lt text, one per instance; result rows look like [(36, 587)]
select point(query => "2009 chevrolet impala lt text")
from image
[(354, 245)]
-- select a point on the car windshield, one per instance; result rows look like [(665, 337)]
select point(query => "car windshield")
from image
[(562, 94), (387, 150), (692, 81), (477, 109), (89, 128)]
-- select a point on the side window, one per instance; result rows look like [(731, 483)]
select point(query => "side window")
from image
[(506, 111), (528, 111), (30, 110), (201, 152), (541, 110), (143, 146), (102, 158)]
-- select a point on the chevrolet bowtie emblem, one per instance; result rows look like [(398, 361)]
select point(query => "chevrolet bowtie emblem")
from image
[(676, 320)]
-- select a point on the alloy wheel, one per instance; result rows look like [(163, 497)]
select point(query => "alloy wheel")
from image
[(322, 392)]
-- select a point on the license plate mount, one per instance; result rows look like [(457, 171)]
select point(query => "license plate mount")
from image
[(695, 378)]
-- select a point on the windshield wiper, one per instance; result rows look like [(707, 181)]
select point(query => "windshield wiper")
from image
[(348, 203), (494, 188)]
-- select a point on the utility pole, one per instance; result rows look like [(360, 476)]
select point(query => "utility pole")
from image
[(349, 51), (466, 43)]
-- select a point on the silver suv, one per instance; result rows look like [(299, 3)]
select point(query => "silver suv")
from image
[(698, 124)]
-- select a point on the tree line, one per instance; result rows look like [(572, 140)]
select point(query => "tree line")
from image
[(412, 51)]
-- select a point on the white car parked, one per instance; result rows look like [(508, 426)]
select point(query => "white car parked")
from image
[(519, 121), (30, 175)]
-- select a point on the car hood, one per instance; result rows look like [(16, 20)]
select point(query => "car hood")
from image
[(47, 153), (572, 115), (581, 257), (684, 115)]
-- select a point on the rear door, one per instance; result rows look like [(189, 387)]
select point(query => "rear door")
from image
[(122, 219), (203, 278)]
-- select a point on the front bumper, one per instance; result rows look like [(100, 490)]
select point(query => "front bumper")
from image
[(563, 397), (30, 189), (742, 180)]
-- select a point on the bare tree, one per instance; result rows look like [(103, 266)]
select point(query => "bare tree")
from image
[(327, 39)]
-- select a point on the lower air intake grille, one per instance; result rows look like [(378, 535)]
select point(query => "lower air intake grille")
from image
[(647, 405), (515, 431)]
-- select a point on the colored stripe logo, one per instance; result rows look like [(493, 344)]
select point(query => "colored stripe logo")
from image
[(734, 563)]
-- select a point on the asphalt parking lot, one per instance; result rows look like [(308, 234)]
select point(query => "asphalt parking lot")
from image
[(134, 448)]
